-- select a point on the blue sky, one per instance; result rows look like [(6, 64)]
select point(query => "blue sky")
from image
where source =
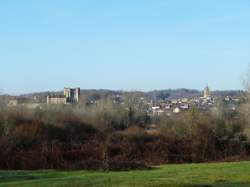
[(128, 45)]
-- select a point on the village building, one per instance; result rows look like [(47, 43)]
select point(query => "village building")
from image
[(56, 99), (206, 93), (177, 110), (70, 96)]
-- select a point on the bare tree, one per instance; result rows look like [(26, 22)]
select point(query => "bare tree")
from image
[(245, 107), (246, 79)]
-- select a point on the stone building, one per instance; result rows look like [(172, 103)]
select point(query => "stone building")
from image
[(56, 99), (206, 92), (70, 96), (13, 102)]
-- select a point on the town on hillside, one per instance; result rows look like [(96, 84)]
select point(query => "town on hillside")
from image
[(154, 104)]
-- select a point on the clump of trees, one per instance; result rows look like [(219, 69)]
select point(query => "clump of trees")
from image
[(116, 137)]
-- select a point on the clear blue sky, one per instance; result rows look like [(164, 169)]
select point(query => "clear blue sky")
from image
[(132, 44)]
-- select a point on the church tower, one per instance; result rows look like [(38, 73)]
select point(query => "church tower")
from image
[(206, 92)]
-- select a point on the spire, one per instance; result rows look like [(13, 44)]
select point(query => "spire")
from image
[(206, 93)]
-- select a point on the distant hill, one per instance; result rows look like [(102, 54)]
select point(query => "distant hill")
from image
[(167, 94), (173, 94)]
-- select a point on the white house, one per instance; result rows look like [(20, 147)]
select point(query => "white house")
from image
[(177, 110)]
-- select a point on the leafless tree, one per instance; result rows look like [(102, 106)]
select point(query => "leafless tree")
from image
[(246, 79), (245, 107)]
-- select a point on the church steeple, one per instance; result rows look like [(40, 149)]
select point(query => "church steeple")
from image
[(206, 92)]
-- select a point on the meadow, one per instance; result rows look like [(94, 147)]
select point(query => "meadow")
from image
[(186, 175)]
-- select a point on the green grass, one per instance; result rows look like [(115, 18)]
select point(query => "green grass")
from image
[(188, 175)]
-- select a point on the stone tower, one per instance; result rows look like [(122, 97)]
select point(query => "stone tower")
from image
[(206, 92), (72, 94)]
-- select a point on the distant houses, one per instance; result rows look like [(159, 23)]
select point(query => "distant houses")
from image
[(155, 107), (183, 104), (204, 102), (22, 101), (69, 96)]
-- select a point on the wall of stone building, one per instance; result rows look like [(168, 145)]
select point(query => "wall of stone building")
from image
[(78, 92), (13, 102), (206, 92), (56, 100), (71, 94), (66, 92)]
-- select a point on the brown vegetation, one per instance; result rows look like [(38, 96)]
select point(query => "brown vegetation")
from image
[(64, 137)]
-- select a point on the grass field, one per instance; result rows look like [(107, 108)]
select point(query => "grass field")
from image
[(188, 175)]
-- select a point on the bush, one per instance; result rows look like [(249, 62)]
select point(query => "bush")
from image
[(69, 138)]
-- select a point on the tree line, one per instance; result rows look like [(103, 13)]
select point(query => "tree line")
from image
[(118, 137)]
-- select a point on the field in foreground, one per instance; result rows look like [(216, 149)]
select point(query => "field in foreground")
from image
[(188, 175)]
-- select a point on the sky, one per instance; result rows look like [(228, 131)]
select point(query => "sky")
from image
[(123, 45)]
